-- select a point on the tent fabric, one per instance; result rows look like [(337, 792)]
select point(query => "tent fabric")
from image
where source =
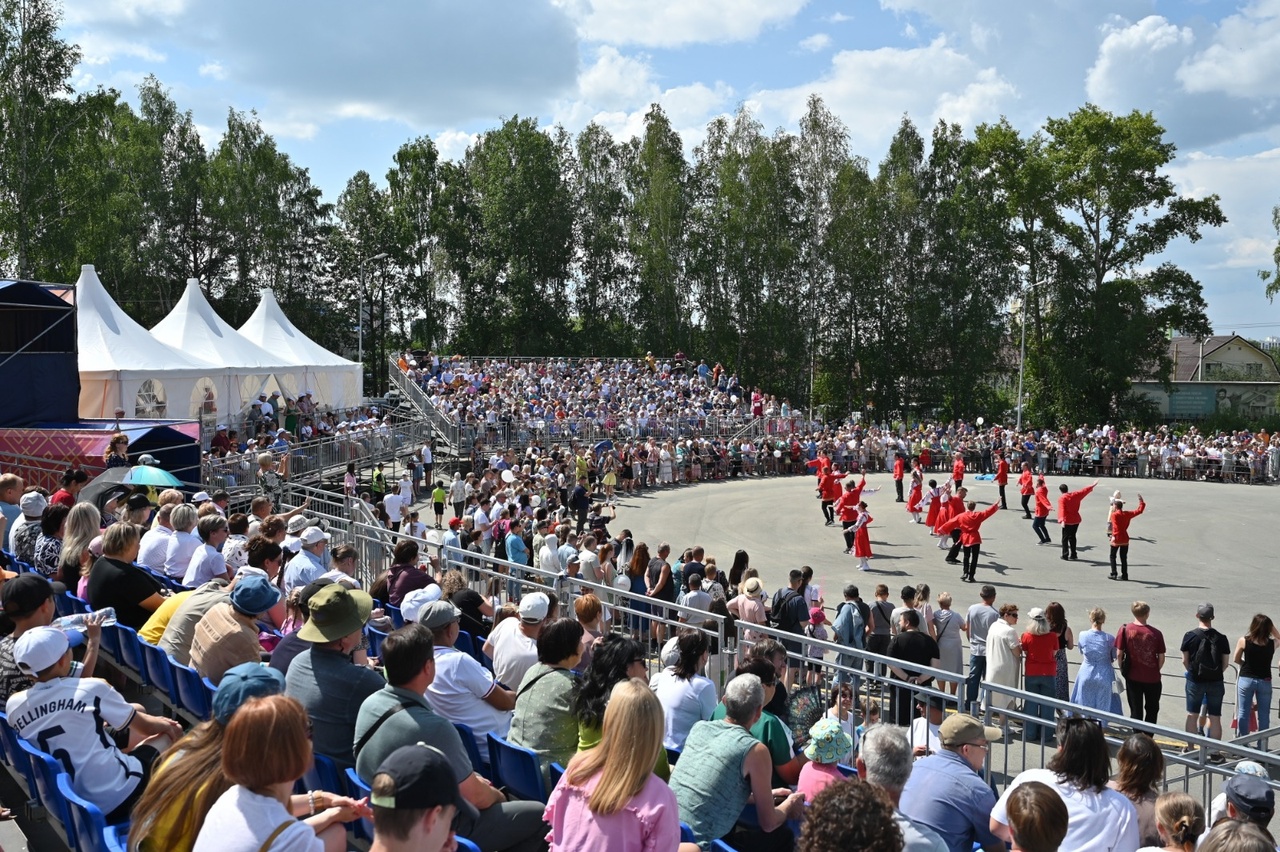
[(117, 356), (37, 355), (332, 379), (193, 326)]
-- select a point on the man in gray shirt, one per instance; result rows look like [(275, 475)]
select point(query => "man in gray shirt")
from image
[(981, 616), (398, 715)]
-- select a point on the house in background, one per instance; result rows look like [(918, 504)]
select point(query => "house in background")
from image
[(1220, 374)]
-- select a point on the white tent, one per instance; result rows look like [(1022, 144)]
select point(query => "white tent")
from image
[(193, 326), (332, 379), (123, 367)]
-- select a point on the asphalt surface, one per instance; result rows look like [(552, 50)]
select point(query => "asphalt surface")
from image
[(1196, 542)]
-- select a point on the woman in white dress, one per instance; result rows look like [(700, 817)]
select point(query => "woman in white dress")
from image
[(664, 465), (1004, 649)]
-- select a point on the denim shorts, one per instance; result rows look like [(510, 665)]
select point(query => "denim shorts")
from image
[(1206, 691)]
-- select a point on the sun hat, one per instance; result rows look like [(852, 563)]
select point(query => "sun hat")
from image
[(242, 682), (297, 524), (752, 586), (336, 611), (828, 743), (33, 504), (817, 616), (253, 594)]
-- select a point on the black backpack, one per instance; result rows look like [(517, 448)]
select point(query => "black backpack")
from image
[(784, 612), (1206, 662)]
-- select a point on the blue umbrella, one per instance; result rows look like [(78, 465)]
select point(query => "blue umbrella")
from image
[(145, 474), (603, 445)]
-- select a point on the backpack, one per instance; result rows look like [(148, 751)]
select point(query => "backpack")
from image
[(1206, 663), (784, 614)]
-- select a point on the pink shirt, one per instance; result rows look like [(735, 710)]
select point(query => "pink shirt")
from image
[(814, 777), (650, 822)]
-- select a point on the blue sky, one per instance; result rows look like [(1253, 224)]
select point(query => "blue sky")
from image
[(341, 85)]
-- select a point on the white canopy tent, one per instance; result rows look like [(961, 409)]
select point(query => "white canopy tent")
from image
[(193, 326), (123, 367), (332, 379)]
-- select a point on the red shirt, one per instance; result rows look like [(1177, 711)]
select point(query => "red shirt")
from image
[(62, 497), (1069, 505), (1002, 472), (847, 507), (1120, 519), (957, 469), (829, 486), (1042, 502), (969, 523), (1024, 482), (899, 467), (1038, 651), (1142, 644)]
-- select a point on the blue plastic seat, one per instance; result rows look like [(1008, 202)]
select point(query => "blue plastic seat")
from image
[(194, 697), (46, 771), (673, 754), (465, 845), (131, 652), (17, 758), (847, 771), (159, 671), (62, 606), (396, 618), (686, 834), (465, 643), (518, 769), (376, 638), (556, 773), (90, 827), (478, 763), (360, 790), (721, 846), (324, 775), (111, 643)]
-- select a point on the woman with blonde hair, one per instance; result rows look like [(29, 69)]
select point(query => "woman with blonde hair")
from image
[(947, 626), (1093, 686), (923, 607), (609, 797), (84, 523), (1039, 644), (1180, 822)]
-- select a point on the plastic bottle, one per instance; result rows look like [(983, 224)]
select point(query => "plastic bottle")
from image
[(79, 621)]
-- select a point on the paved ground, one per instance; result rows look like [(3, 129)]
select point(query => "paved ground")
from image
[(1196, 542)]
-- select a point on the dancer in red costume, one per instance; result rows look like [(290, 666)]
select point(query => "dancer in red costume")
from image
[(1042, 512), (1002, 478), (1026, 488), (1120, 535), (957, 471), (968, 524), (847, 509), (862, 538), (829, 493), (915, 494), (932, 503), (899, 470)]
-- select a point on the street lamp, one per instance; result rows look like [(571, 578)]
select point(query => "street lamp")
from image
[(360, 319)]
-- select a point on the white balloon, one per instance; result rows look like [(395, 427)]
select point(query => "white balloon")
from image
[(508, 476), (777, 454), (535, 501), (980, 421)]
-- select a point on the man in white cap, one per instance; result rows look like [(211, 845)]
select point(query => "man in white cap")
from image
[(308, 565), (415, 602), (513, 644), (64, 716), (23, 544)]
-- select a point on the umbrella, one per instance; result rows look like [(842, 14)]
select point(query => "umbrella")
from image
[(145, 474), (806, 706), (110, 480), (603, 445)]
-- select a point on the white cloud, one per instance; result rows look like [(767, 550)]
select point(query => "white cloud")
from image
[(88, 12), (672, 23), (1246, 186), (871, 89), (816, 43), (101, 49), (453, 144), (1135, 61), (838, 18), (1244, 58), (615, 81), (213, 70), (289, 128)]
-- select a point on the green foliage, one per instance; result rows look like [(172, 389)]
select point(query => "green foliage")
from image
[(782, 256)]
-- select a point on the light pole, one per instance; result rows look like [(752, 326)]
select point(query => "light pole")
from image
[(360, 318), (1022, 355)]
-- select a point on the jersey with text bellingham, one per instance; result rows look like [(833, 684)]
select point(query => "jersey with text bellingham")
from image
[(68, 718)]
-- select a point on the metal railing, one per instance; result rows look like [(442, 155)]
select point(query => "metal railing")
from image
[(446, 429)]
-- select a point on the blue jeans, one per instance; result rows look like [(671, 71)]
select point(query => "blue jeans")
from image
[(1247, 689), (1040, 685), (977, 670)]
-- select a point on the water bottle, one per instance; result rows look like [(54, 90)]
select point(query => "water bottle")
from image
[(79, 621)]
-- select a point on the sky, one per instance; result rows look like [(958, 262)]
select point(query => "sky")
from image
[(342, 85)]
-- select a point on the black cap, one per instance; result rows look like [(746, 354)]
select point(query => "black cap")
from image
[(309, 590), (26, 593), (422, 779), (138, 501)]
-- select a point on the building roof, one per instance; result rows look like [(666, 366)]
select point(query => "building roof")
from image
[(1187, 354)]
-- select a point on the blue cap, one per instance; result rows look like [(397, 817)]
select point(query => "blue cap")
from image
[(239, 684), (254, 594)]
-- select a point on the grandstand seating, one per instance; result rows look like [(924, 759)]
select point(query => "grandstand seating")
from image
[(518, 769), (89, 826), (46, 770)]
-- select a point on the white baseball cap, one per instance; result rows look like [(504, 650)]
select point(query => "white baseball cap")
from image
[(313, 535), (201, 497), (534, 607), (413, 603), (40, 649)]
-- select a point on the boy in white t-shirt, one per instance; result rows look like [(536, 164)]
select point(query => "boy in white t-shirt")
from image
[(67, 718)]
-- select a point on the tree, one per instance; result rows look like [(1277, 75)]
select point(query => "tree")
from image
[(601, 269), (1110, 188), (413, 187), (1272, 277)]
